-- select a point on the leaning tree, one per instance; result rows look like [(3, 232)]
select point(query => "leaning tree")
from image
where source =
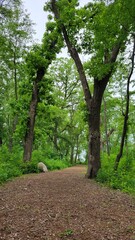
[(101, 31)]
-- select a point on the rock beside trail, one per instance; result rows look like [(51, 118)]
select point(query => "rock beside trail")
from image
[(42, 167)]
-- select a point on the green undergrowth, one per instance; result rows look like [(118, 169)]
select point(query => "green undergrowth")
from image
[(11, 164), (122, 179)]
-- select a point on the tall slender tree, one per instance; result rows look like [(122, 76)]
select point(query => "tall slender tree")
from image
[(126, 114), (38, 61)]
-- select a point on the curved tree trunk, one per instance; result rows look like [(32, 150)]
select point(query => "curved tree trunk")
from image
[(29, 135), (125, 125)]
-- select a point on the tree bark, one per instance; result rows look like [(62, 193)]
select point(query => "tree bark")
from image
[(15, 77), (15, 118), (109, 133), (94, 141), (106, 128), (0, 141), (72, 155), (55, 137), (29, 135), (77, 148)]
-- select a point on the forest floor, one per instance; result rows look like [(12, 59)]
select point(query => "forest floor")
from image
[(64, 205)]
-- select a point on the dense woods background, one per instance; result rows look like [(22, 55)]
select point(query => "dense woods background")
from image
[(65, 111)]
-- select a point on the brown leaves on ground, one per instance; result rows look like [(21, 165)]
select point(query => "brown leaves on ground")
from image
[(64, 205)]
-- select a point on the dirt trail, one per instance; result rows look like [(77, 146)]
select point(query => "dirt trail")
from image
[(64, 205)]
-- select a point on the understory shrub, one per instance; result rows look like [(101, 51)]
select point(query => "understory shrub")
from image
[(52, 164), (11, 164), (8, 171), (122, 179)]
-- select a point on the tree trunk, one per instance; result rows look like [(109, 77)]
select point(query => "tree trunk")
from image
[(125, 125), (122, 141), (94, 140), (108, 137), (15, 117), (29, 135), (55, 137), (77, 148), (0, 141), (15, 78), (106, 128), (72, 155)]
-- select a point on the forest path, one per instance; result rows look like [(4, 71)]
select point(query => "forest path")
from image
[(64, 205)]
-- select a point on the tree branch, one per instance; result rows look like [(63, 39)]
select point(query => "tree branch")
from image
[(74, 54)]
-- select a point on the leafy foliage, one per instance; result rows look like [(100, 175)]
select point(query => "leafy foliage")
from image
[(11, 164), (122, 179)]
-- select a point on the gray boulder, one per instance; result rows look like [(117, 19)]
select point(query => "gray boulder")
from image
[(42, 167)]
